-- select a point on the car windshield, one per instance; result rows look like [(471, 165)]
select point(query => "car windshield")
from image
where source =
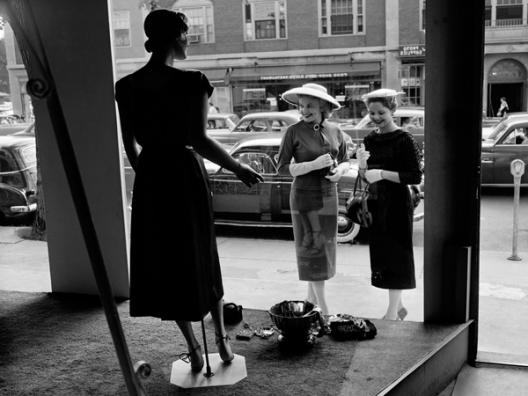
[(255, 125), (29, 155), (498, 131)]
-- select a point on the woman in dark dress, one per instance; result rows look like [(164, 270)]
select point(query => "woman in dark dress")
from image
[(174, 266), (389, 160)]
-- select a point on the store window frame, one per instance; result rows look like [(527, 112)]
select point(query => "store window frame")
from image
[(203, 31), (121, 23), (280, 20), (325, 18)]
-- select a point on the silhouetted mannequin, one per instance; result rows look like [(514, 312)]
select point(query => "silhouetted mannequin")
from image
[(174, 266)]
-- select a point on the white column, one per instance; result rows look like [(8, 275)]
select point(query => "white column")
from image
[(493, 12), (392, 43), (76, 40)]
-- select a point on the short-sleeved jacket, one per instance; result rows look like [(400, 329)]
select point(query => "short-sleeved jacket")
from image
[(302, 143)]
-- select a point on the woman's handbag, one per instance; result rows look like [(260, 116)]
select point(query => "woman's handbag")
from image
[(356, 206), (347, 327), (232, 313)]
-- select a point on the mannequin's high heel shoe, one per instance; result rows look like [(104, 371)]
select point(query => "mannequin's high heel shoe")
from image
[(194, 356), (224, 349)]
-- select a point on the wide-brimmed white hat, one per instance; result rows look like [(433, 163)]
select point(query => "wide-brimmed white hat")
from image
[(382, 93), (318, 91)]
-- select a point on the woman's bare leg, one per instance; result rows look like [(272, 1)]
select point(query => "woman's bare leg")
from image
[(319, 291), (395, 304), (311, 294)]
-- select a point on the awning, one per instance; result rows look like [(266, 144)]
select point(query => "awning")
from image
[(299, 72), (215, 76)]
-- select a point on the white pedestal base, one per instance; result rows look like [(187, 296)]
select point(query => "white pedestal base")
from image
[(224, 374)]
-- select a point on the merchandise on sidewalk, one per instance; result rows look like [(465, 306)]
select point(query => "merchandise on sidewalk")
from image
[(348, 327), (299, 322)]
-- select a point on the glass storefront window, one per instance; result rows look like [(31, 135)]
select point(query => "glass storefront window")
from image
[(412, 78)]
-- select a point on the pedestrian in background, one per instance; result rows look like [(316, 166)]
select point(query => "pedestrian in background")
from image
[(503, 108), (389, 159), (320, 159), (174, 266)]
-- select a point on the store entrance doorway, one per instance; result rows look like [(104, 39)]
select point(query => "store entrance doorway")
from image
[(506, 78), (513, 92)]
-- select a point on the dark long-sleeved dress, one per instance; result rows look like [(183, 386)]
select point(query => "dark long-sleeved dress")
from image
[(313, 198), (174, 265), (390, 237)]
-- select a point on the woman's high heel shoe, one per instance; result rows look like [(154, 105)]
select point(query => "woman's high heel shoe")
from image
[(402, 313), (224, 349), (194, 356)]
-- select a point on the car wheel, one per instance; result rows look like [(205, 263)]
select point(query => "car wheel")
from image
[(347, 230)]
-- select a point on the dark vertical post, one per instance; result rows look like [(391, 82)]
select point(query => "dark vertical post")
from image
[(454, 64)]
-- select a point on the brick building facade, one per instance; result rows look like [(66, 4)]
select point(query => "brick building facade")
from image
[(253, 50)]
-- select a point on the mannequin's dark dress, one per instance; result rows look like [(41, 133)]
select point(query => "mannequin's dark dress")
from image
[(174, 266), (390, 237)]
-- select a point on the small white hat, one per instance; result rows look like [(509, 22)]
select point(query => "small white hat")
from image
[(318, 91), (382, 93)]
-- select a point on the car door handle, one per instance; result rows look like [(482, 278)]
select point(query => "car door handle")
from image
[(488, 161)]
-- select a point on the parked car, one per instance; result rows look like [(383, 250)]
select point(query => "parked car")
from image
[(507, 141), (267, 203), (254, 123), (221, 122), (410, 119), (352, 111), (18, 178)]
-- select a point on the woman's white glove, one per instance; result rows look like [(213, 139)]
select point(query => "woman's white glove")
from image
[(338, 171), (362, 156), (373, 175), (302, 168)]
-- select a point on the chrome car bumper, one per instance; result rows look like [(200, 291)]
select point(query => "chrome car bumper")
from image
[(23, 208)]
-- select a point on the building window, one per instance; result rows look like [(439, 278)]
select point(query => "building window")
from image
[(412, 80), (422, 14), (509, 12), (341, 17), (487, 13), (121, 26), (199, 18), (265, 19)]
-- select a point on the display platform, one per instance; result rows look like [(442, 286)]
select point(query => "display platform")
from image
[(222, 373), (61, 345)]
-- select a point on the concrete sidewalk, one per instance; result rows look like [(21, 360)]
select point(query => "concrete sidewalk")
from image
[(258, 273)]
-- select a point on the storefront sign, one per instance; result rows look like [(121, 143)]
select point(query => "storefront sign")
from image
[(412, 51), (303, 76), (410, 82)]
